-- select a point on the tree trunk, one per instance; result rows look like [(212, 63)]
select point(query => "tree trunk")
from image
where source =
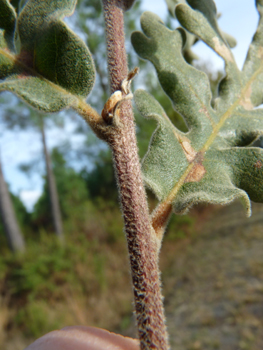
[(13, 234), (52, 188)]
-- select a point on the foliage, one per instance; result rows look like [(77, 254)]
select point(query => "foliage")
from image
[(100, 181), (48, 284), (42, 284), (209, 158), (35, 319), (71, 187), (213, 162), (41, 66), (22, 215)]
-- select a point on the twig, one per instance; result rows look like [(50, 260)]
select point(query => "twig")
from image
[(141, 239)]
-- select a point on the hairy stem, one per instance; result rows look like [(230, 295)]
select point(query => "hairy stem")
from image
[(142, 243)]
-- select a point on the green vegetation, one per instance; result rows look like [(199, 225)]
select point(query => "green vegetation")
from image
[(52, 286), (208, 157)]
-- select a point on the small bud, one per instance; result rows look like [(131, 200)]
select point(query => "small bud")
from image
[(109, 107)]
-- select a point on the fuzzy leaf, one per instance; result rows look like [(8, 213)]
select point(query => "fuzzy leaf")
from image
[(191, 39), (254, 64), (7, 24), (171, 4), (214, 161), (52, 67), (7, 30)]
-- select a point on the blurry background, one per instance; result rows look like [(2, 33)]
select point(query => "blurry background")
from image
[(73, 266)]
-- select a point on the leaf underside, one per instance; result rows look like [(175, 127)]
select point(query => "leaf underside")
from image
[(214, 161), (41, 59), (191, 39)]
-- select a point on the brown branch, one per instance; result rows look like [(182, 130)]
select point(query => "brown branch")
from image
[(142, 244)]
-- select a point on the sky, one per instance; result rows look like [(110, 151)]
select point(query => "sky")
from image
[(238, 18)]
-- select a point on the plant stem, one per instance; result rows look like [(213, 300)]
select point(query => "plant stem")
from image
[(141, 239)]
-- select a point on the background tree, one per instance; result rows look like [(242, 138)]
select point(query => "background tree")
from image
[(72, 189), (52, 187), (10, 225), (24, 117)]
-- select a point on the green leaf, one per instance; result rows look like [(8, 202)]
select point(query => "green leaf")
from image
[(7, 30), (52, 68), (171, 4), (7, 24), (204, 6), (201, 20), (253, 65), (214, 161)]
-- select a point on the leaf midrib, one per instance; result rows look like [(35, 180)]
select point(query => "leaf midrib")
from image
[(36, 74), (169, 199), (88, 112)]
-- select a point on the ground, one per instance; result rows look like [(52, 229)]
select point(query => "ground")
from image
[(212, 273), (213, 283)]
